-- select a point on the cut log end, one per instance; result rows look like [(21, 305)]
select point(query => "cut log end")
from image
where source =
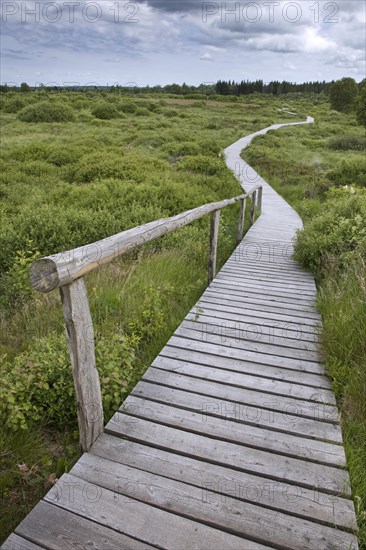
[(43, 275)]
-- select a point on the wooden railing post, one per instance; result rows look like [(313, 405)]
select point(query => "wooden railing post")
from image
[(214, 234), (239, 234), (252, 207), (259, 199), (80, 338)]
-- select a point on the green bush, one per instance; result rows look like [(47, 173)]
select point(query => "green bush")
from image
[(333, 235), (350, 172), (348, 143), (182, 149), (47, 112), (142, 111), (127, 107), (104, 111), (202, 164), (64, 155), (38, 384), (13, 105), (128, 167)]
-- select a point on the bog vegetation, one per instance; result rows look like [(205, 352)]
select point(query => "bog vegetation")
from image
[(77, 167)]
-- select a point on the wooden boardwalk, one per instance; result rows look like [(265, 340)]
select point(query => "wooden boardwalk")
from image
[(231, 440)]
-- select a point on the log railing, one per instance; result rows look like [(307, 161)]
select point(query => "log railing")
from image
[(66, 271)]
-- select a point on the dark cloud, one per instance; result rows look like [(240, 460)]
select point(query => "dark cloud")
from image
[(176, 6)]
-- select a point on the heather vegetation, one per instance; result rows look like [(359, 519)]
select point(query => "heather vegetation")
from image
[(80, 166)]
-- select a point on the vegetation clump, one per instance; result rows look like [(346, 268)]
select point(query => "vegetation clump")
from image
[(46, 111), (104, 111)]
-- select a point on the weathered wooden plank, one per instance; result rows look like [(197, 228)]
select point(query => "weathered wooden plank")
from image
[(240, 518), (298, 501), (57, 529), (240, 229), (276, 290), (279, 284), (272, 297), (14, 542), (139, 520), (307, 315), (278, 335), (270, 265), (226, 429), (259, 276), (227, 409), (227, 335), (214, 235), (280, 295), (282, 468), (195, 378), (243, 368), (256, 328), (80, 338), (215, 348), (252, 208)]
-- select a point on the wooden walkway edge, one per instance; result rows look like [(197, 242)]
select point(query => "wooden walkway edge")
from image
[(231, 440)]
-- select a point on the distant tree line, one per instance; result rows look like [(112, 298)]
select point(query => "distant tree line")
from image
[(221, 87), (275, 87)]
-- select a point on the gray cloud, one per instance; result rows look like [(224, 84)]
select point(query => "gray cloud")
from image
[(172, 39)]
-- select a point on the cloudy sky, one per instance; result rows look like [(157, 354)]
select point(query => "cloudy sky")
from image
[(164, 41)]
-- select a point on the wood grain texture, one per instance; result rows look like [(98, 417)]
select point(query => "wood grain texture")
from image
[(80, 338), (149, 524), (214, 235)]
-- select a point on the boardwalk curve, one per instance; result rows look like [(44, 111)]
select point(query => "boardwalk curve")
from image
[(231, 440)]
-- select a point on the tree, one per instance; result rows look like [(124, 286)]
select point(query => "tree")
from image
[(24, 87), (361, 104), (343, 94)]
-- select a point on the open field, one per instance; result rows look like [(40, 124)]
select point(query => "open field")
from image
[(69, 183)]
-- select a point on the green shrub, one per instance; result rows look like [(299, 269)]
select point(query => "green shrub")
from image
[(350, 172), (335, 233), (38, 384), (171, 113), (13, 105), (127, 107), (14, 285), (202, 164), (348, 143), (142, 111), (182, 149), (47, 112), (63, 155), (104, 111), (128, 167)]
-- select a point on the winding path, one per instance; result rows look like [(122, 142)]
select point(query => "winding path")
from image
[(231, 440)]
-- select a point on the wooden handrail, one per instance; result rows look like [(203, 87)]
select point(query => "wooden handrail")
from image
[(66, 271), (61, 269)]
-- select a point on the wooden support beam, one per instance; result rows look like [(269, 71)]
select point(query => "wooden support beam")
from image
[(252, 207), (80, 339), (239, 234), (214, 234), (259, 199)]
